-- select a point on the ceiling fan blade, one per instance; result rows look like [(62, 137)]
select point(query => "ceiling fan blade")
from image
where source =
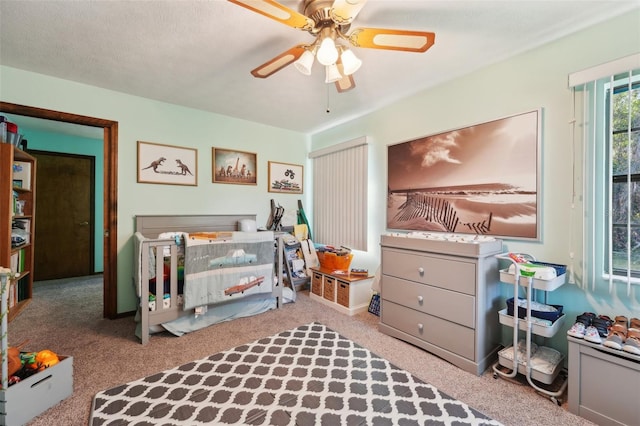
[(378, 38), (280, 13), (345, 83), (276, 64), (344, 11)]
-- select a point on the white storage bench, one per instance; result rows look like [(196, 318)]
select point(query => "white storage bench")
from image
[(604, 383)]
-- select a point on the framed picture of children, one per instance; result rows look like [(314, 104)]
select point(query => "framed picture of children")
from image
[(232, 166)]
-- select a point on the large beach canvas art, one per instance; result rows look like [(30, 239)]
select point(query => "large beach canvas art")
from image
[(482, 179)]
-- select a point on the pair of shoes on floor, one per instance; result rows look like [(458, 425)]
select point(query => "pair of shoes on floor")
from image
[(624, 335), (590, 327)]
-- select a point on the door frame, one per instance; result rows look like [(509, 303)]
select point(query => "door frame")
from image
[(110, 225)]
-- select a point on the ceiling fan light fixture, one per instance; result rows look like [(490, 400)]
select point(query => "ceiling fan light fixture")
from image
[(350, 62), (327, 53), (305, 62), (332, 74)]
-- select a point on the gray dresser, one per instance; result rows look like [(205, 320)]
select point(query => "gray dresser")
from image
[(442, 296)]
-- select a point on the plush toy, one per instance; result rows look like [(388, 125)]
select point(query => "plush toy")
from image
[(15, 363), (46, 359), (14, 360), (28, 360)]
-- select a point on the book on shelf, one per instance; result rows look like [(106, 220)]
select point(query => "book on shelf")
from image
[(22, 174), (18, 261), (13, 293)]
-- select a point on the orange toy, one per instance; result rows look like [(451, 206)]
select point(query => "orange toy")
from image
[(46, 359)]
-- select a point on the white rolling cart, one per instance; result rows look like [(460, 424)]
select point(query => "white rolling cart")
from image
[(525, 364)]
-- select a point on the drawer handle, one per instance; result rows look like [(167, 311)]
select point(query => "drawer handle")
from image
[(421, 270), (420, 299), (420, 328)]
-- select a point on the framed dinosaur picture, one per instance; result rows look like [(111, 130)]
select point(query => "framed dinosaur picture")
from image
[(232, 166), (167, 164)]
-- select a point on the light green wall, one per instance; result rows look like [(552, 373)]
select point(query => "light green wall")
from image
[(68, 144), (152, 121), (534, 79)]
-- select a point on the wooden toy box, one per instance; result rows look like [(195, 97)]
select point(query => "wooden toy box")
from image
[(34, 395)]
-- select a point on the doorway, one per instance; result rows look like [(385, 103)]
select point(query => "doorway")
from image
[(110, 225), (64, 243)]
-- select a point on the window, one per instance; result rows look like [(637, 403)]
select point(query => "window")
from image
[(623, 108), (607, 101), (340, 189)]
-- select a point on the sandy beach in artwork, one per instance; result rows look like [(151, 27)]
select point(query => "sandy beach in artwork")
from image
[(508, 215)]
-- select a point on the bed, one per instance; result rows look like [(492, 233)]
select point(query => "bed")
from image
[(192, 271)]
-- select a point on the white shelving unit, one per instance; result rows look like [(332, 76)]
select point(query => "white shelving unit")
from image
[(531, 328)]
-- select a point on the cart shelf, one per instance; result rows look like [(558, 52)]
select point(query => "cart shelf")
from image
[(538, 284), (505, 358), (537, 329)]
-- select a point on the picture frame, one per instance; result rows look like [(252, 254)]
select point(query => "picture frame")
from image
[(167, 164), (285, 178), (17, 183), (233, 166), (482, 179)]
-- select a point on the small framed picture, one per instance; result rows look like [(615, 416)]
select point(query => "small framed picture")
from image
[(232, 166), (167, 164), (285, 178), (17, 183)]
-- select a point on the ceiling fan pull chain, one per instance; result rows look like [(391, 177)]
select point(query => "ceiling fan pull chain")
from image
[(328, 108)]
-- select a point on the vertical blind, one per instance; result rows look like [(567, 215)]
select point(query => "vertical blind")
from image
[(340, 177), (608, 225)]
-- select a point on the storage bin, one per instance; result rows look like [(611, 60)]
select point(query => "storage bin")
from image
[(34, 395), (316, 283), (522, 312), (332, 261), (342, 296), (536, 328), (329, 288), (546, 363)]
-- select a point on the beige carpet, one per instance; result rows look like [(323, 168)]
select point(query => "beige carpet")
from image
[(66, 317)]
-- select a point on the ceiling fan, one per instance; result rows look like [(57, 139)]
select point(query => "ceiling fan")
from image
[(329, 22)]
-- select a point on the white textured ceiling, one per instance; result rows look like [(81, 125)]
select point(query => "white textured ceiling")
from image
[(199, 53)]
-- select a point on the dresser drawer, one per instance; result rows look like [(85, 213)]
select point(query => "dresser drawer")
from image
[(446, 304), (316, 283), (456, 275), (444, 334)]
